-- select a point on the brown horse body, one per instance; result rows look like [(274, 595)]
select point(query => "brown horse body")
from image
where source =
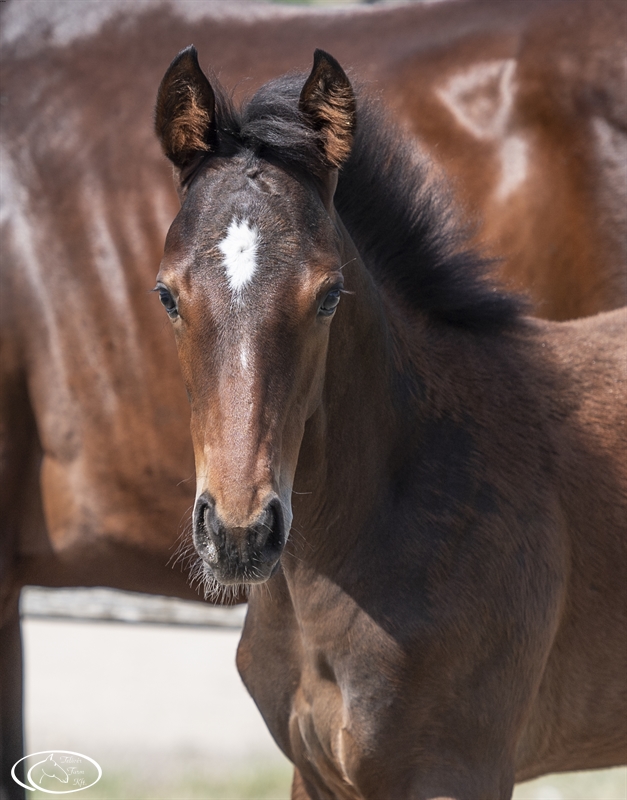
[(96, 463), (424, 490), (469, 631)]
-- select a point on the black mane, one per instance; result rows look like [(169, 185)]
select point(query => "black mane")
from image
[(402, 223)]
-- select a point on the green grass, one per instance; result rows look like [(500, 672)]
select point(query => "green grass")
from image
[(607, 784), (258, 783), (268, 784), (273, 783), (317, 2)]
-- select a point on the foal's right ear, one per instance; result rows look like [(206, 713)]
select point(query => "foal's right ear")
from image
[(185, 111)]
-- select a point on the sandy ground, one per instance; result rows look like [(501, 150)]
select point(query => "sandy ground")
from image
[(123, 693)]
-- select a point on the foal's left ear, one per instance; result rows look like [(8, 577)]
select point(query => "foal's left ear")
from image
[(327, 100), (185, 111)]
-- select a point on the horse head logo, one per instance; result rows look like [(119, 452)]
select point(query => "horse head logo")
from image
[(60, 772), (48, 768)]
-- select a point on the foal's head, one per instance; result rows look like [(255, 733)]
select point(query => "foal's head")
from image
[(251, 280)]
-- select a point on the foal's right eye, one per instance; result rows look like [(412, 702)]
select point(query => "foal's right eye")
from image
[(330, 303), (168, 302)]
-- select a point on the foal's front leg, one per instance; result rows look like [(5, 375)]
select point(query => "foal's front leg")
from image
[(299, 790)]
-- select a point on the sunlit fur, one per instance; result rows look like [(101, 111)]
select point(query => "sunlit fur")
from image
[(385, 194)]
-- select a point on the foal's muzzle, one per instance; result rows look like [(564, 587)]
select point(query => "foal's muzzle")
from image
[(239, 554)]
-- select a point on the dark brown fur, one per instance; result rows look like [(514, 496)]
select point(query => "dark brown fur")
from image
[(447, 614)]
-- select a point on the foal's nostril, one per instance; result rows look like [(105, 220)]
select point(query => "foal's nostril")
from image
[(209, 533), (246, 553), (267, 534)]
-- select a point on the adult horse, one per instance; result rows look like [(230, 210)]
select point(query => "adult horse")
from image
[(93, 415), (424, 490)]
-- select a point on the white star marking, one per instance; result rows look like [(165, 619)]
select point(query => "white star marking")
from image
[(239, 251)]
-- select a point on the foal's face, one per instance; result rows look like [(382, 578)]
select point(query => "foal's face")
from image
[(251, 279)]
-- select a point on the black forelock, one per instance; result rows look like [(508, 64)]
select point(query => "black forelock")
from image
[(270, 125), (402, 221)]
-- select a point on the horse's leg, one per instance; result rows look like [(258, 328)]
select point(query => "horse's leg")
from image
[(299, 790), (11, 699), (20, 509)]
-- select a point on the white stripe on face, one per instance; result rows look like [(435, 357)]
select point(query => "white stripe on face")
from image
[(239, 249), (243, 356)]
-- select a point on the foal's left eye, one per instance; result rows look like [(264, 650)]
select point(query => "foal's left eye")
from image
[(168, 302), (330, 303)]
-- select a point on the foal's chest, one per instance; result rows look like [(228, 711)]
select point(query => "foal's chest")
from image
[(323, 702)]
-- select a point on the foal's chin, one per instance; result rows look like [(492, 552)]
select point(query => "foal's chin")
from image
[(240, 575)]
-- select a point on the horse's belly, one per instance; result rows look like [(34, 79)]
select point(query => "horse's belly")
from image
[(95, 527)]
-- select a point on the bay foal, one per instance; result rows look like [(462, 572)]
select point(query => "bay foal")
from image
[(423, 489), (521, 102)]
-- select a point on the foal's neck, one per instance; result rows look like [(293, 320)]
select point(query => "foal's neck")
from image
[(349, 439)]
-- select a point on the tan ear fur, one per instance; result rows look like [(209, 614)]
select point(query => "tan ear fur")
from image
[(327, 100), (185, 110)]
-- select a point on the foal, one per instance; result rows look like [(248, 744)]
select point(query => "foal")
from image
[(423, 489)]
